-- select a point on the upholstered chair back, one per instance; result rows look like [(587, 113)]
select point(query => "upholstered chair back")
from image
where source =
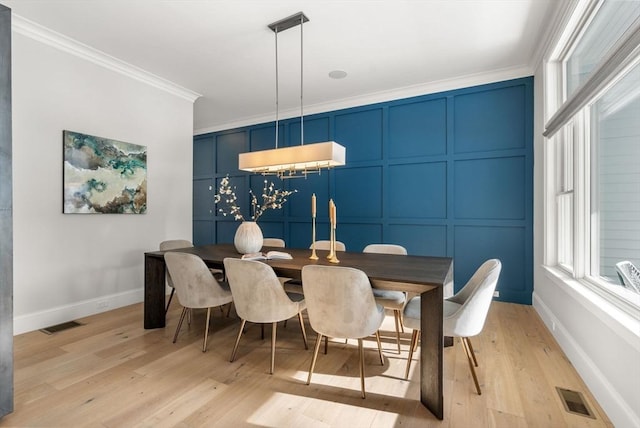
[(340, 302), (467, 317), (273, 242), (193, 282), (258, 295), (174, 244), (326, 245), (385, 249)]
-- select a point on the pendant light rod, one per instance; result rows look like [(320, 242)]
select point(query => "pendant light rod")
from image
[(301, 80), (277, 91), (295, 161), (277, 27)]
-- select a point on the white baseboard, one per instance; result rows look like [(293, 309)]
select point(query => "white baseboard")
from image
[(616, 407), (61, 314)]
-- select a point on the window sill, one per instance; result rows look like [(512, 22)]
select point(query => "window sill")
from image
[(621, 316)]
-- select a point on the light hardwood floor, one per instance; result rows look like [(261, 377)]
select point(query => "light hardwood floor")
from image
[(111, 372)]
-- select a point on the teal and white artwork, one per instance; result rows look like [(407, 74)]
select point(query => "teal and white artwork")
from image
[(103, 176)]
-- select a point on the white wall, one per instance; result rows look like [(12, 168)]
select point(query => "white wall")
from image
[(72, 265), (602, 343)]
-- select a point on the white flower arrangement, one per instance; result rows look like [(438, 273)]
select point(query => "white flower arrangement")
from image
[(272, 198)]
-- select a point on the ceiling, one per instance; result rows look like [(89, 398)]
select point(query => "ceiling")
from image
[(223, 49)]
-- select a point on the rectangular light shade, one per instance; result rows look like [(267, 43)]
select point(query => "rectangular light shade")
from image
[(304, 157)]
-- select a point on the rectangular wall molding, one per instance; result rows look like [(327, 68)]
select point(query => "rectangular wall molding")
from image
[(418, 170)]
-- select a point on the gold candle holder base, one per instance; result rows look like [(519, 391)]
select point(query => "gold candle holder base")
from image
[(332, 254)]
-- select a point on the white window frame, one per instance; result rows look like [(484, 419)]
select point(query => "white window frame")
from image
[(559, 111)]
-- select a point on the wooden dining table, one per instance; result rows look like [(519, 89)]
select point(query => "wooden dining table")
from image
[(426, 276)]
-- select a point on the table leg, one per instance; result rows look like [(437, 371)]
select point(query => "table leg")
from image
[(154, 292), (431, 359)]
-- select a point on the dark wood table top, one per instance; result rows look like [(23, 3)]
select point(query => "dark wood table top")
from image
[(406, 273)]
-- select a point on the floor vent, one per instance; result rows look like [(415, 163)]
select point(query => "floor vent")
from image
[(574, 402), (60, 327)]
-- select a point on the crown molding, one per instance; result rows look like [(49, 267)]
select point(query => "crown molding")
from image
[(381, 96), (66, 44)]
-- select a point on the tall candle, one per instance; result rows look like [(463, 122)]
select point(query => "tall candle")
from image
[(313, 205)]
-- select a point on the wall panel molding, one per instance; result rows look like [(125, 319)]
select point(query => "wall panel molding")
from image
[(444, 174)]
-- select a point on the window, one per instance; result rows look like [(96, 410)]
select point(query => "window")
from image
[(594, 138), (615, 189), (564, 197), (609, 22)]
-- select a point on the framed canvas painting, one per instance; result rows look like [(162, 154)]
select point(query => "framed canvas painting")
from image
[(103, 176)]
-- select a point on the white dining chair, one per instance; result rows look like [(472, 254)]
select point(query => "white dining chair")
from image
[(273, 242), (174, 244), (295, 285), (259, 298), (326, 245), (340, 304), (390, 299), (196, 287), (464, 313)]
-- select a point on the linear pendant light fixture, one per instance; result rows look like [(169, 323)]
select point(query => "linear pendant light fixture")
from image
[(294, 161)]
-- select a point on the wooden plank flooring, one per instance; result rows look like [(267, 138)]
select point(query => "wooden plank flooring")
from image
[(110, 372)]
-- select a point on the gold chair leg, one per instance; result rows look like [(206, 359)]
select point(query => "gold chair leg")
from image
[(314, 358), (175, 336), (206, 331), (189, 316), (304, 333), (361, 352), (326, 344), (414, 341), (396, 317), (401, 321), (235, 347), (273, 346), (470, 359), (379, 347), (473, 354)]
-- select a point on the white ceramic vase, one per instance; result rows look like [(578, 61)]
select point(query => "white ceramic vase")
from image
[(248, 238)]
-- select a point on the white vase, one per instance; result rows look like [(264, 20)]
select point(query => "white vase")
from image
[(248, 238)]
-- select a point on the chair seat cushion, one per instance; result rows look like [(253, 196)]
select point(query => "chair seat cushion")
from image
[(389, 298), (411, 314)]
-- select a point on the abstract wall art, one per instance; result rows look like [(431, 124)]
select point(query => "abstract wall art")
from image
[(103, 176)]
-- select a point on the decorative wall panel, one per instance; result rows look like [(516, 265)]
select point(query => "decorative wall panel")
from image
[(417, 190), (418, 129), (494, 119), (447, 174), (361, 133), (501, 180)]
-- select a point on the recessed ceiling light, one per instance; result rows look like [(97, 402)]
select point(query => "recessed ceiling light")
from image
[(338, 74)]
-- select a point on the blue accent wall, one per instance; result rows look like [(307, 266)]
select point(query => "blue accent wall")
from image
[(446, 174)]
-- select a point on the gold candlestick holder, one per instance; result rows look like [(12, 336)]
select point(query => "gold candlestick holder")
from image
[(333, 258), (332, 251), (313, 255)]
